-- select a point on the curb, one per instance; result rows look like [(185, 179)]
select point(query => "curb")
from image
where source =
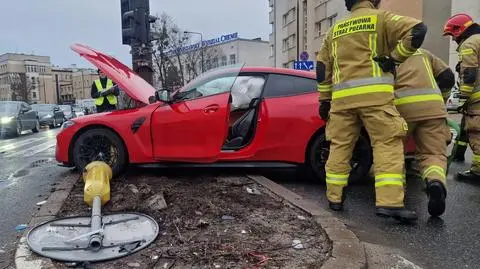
[(348, 251), (24, 258)]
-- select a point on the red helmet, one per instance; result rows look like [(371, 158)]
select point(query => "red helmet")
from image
[(457, 24)]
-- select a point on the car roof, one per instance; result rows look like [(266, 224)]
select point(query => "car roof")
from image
[(280, 71)]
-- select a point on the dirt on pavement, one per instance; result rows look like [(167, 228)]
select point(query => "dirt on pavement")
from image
[(212, 222)]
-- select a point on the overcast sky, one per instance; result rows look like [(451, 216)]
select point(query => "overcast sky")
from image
[(49, 27)]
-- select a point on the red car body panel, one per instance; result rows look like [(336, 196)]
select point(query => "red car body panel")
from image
[(131, 83)]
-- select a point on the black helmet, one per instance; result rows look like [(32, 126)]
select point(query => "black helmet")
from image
[(350, 3)]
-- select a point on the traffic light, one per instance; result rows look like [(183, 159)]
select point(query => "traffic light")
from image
[(136, 21)]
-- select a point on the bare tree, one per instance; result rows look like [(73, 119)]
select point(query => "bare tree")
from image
[(162, 28), (193, 61), (21, 87)]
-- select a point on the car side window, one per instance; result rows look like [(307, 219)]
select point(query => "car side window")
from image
[(287, 85), (206, 88)]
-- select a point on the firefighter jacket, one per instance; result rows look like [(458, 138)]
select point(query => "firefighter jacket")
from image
[(417, 94), (351, 77), (469, 58)]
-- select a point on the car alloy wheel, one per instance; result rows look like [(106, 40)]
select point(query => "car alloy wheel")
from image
[(99, 145)]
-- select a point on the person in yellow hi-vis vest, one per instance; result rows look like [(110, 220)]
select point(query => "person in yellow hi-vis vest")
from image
[(105, 93), (355, 84)]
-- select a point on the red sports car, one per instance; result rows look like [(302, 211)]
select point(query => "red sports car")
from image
[(232, 116)]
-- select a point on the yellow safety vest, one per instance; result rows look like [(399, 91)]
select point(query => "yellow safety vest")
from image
[(112, 99)]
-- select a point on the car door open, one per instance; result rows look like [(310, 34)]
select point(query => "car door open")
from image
[(193, 127)]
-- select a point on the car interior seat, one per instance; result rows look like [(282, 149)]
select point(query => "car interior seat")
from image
[(242, 129)]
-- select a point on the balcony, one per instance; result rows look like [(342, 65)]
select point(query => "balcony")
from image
[(271, 38), (271, 17), (271, 3)]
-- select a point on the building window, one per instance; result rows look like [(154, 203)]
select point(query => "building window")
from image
[(323, 25), (272, 50), (289, 17), (34, 95), (232, 59), (289, 42), (223, 61)]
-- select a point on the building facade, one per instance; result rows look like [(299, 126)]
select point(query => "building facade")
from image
[(300, 25), (221, 51), (27, 78), (64, 86), (82, 80)]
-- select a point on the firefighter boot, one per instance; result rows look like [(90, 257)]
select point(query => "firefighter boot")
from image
[(460, 154), (468, 175), (436, 198), (337, 206), (401, 213)]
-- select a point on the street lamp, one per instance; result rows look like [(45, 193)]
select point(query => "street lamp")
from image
[(201, 46)]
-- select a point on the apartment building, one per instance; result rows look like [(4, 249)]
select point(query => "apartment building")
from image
[(300, 25), (23, 75)]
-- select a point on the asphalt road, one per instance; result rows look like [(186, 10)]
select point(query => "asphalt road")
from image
[(28, 172), (452, 241)]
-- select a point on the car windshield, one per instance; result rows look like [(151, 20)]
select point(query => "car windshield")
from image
[(8, 107), (215, 81), (42, 108), (77, 109)]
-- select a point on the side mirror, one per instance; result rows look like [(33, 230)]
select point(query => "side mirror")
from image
[(163, 95), (24, 110)]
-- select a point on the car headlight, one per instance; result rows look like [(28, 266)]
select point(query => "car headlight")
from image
[(67, 124), (6, 119)]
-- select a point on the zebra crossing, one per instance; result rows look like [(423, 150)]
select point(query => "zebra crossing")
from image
[(28, 145)]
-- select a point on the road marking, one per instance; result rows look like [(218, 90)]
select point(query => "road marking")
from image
[(19, 144), (33, 150)]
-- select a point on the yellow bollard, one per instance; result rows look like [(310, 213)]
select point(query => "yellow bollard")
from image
[(96, 176)]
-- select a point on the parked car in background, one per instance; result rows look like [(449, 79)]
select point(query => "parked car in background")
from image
[(78, 111), (68, 111), (49, 115), (16, 116), (453, 102)]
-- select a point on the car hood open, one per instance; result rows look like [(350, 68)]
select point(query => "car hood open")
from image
[(128, 81)]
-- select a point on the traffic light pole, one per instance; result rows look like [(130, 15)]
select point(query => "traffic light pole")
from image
[(142, 61), (136, 21)]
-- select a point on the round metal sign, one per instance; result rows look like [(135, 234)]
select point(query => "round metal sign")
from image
[(304, 56), (68, 239)]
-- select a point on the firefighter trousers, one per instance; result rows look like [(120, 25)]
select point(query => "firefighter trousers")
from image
[(462, 142), (431, 139), (386, 129), (472, 125)]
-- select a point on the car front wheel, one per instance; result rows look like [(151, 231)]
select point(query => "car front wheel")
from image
[(361, 162), (100, 144)]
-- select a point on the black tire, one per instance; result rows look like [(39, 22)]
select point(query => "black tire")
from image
[(90, 144), (36, 129), (362, 159), (18, 129)]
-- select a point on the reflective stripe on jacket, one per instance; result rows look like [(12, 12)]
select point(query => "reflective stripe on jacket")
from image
[(469, 57), (417, 95), (352, 78), (112, 99)]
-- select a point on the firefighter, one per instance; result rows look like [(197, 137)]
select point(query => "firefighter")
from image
[(105, 93), (355, 84), (466, 33), (422, 87)]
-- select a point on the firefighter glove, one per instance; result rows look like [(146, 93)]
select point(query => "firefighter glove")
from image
[(386, 63), (324, 109)]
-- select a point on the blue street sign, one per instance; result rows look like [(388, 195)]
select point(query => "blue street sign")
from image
[(304, 56), (303, 65)]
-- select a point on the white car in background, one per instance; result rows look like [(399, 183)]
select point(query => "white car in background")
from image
[(453, 102)]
